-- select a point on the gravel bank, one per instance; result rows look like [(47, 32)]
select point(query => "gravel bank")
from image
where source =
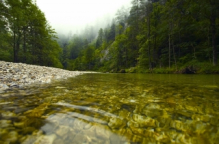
[(20, 74)]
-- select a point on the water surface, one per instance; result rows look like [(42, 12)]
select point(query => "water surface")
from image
[(114, 108)]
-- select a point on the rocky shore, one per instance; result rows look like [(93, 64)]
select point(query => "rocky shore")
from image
[(20, 74)]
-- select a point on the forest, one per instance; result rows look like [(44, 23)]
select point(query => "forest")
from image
[(26, 36), (159, 36)]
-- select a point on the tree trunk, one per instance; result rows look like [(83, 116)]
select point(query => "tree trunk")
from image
[(169, 50), (156, 50), (149, 48), (213, 32), (24, 47), (174, 56), (14, 47), (17, 49), (126, 63)]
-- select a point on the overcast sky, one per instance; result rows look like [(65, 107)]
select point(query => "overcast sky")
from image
[(74, 15)]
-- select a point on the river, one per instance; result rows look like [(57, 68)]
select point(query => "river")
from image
[(113, 108)]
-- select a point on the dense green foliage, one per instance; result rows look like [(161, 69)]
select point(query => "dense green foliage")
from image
[(156, 35), (161, 36), (25, 35)]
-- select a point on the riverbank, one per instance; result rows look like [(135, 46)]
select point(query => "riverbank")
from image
[(19, 74), (197, 68)]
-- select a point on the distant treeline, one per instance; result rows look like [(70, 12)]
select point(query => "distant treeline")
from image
[(161, 36), (25, 35), (153, 35)]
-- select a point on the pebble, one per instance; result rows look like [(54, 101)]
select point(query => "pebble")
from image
[(19, 74)]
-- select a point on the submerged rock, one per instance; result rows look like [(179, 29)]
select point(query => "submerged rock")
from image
[(8, 114), (144, 121), (103, 132), (12, 137), (45, 139), (62, 131), (116, 123), (152, 112), (5, 123), (19, 124)]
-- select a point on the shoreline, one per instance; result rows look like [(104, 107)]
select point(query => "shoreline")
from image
[(18, 75)]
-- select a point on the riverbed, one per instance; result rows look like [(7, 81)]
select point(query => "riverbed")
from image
[(113, 108)]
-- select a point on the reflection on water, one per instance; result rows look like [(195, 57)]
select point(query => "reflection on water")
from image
[(114, 108)]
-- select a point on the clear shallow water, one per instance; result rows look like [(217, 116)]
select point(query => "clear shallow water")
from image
[(114, 108)]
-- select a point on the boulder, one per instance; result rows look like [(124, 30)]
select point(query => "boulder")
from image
[(187, 70), (122, 71)]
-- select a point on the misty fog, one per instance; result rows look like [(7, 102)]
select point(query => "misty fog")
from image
[(76, 17)]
